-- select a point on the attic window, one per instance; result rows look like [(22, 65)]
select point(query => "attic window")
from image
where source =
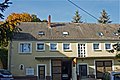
[(41, 33), (100, 34), (65, 33), (115, 33), (119, 30)]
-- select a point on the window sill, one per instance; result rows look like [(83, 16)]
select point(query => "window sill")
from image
[(54, 51), (25, 53), (97, 50), (40, 50), (108, 49), (67, 50)]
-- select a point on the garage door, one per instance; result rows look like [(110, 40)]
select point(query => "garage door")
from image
[(56, 70), (102, 67)]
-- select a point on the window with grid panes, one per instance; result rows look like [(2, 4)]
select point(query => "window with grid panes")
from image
[(53, 46), (66, 46), (40, 47), (29, 71), (81, 50), (107, 46), (96, 46), (25, 47)]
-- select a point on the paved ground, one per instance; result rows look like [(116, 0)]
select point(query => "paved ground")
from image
[(89, 79)]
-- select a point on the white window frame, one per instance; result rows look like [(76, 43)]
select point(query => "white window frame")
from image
[(19, 47), (99, 47), (54, 49), (105, 46), (40, 43), (66, 49), (29, 71)]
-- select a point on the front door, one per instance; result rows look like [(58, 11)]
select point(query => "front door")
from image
[(41, 72), (83, 71)]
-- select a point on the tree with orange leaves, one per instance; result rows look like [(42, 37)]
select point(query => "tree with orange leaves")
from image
[(22, 17)]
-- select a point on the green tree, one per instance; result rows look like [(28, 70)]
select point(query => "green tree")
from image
[(4, 57), (44, 20), (104, 18), (7, 30), (77, 17), (3, 52), (4, 5), (35, 18), (116, 46)]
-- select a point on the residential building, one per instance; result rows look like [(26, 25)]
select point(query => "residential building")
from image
[(63, 51)]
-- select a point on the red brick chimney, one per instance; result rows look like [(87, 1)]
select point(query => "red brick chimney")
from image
[(49, 21)]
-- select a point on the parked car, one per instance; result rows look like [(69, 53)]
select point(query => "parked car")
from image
[(112, 76), (115, 75), (5, 75)]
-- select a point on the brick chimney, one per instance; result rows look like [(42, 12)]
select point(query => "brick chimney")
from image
[(49, 21)]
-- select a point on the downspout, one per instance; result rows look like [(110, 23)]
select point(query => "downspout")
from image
[(9, 55)]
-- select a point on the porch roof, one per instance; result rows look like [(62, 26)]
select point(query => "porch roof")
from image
[(41, 57)]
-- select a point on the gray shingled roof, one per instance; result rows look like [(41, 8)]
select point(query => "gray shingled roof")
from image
[(77, 31)]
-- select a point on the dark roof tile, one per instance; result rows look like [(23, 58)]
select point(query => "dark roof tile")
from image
[(77, 31)]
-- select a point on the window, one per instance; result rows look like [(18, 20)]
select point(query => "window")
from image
[(100, 34), (65, 33), (81, 50), (25, 48), (40, 46), (107, 46), (96, 46), (41, 33), (66, 46), (29, 71), (53, 46)]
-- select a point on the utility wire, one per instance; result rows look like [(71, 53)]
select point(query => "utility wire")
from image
[(83, 10)]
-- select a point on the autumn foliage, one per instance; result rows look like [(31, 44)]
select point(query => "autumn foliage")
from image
[(21, 17)]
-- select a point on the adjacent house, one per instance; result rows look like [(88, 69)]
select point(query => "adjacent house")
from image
[(63, 51)]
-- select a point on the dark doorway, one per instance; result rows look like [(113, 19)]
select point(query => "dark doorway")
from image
[(83, 71), (66, 70)]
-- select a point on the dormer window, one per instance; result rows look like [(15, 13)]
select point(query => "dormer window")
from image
[(100, 34), (65, 33), (41, 33), (115, 33)]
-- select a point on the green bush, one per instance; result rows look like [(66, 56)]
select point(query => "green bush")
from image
[(4, 57)]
